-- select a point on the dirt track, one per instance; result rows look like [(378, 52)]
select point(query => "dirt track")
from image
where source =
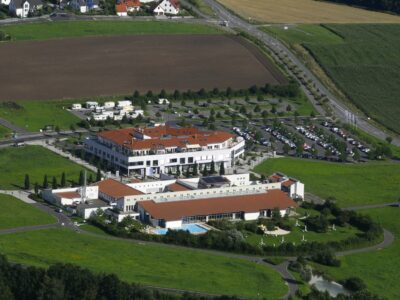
[(79, 67)]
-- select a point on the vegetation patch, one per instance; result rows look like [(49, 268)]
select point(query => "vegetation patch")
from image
[(350, 184), (15, 213), (378, 269), (146, 264)]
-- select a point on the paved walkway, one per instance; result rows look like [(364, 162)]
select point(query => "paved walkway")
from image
[(22, 195)]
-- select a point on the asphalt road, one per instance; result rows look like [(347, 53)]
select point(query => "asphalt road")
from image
[(339, 108)]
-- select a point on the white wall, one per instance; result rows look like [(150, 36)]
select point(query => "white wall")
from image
[(251, 216), (173, 224)]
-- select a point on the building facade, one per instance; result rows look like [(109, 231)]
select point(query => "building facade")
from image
[(155, 150)]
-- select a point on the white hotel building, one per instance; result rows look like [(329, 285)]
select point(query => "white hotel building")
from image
[(155, 150)]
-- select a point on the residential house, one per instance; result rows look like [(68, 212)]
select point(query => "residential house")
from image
[(22, 8), (167, 7)]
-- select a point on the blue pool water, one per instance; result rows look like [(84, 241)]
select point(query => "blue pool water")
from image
[(192, 228)]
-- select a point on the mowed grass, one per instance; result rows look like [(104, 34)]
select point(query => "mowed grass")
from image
[(305, 11), (379, 269), (55, 30), (361, 59), (350, 184), (146, 264), (15, 213), (4, 132), (35, 161), (35, 115)]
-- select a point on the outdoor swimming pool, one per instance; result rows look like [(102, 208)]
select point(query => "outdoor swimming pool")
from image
[(192, 228)]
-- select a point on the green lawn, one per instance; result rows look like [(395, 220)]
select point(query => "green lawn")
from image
[(350, 184), (145, 264), (52, 30), (363, 61), (93, 229), (35, 161), (379, 269), (15, 213), (35, 115), (4, 132)]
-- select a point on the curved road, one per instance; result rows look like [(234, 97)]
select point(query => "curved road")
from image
[(276, 46)]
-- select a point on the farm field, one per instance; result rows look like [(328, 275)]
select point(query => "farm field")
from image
[(305, 11), (35, 161), (58, 30), (379, 269), (87, 67), (35, 115), (145, 264), (362, 60), (366, 183), (15, 213)]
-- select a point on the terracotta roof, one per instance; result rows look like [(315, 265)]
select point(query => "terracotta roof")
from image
[(132, 3), (176, 210), (175, 3), (116, 189), (275, 178), (288, 183), (68, 195), (120, 8), (177, 187), (164, 137)]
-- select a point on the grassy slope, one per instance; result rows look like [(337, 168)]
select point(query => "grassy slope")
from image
[(35, 161), (53, 30), (4, 132), (363, 60), (367, 183), (15, 213), (379, 269), (35, 115), (147, 264)]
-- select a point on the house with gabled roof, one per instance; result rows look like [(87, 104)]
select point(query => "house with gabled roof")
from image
[(22, 8), (167, 7)]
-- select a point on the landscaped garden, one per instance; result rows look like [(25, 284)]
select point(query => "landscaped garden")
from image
[(378, 269), (350, 184), (36, 162), (15, 213), (146, 264)]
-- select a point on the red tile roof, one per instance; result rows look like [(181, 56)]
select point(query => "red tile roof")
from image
[(68, 195), (177, 187), (288, 183), (121, 8), (275, 178), (116, 189), (132, 3), (176, 210), (164, 137)]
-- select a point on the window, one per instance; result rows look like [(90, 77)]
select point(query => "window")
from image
[(155, 162), (148, 163), (182, 160), (190, 160), (173, 160)]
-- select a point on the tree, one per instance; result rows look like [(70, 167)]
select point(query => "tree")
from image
[(288, 107), (286, 149), (163, 94), (98, 175), (389, 139), (63, 182), (27, 184), (212, 167), (276, 214), (45, 182), (356, 155), (81, 178), (354, 284), (195, 169), (54, 183), (222, 169), (183, 103), (36, 188)]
